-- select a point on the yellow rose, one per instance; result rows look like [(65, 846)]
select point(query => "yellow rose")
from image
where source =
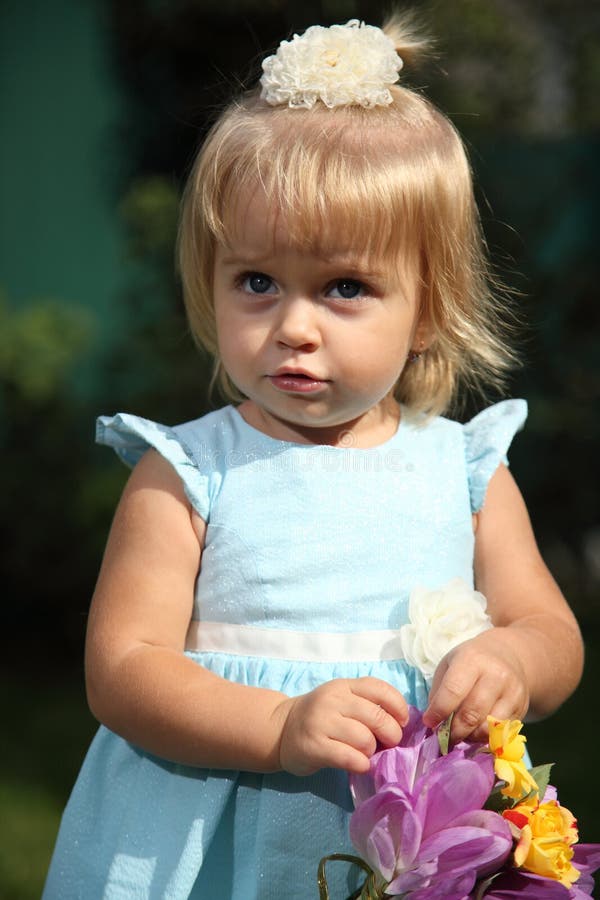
[(530, 801), (523, 846), (505, 740), (551, 857), (519, 818), (519, 815), (544, 835), (508, 747), (519, 782), (553, 819)]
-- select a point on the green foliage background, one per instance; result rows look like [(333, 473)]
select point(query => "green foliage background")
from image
[(521, 81)]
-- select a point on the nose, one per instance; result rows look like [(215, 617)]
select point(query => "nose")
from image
[(297, 325)]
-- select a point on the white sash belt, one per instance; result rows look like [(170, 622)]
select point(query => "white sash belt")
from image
[(276, 643)]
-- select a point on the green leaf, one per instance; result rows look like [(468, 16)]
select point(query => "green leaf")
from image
[(443, 734), (541, 774), (497, 802)]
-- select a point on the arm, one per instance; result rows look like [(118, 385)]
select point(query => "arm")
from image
[(142, 686), (532, 659)]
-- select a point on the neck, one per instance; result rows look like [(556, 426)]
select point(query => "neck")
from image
[(371, 429)]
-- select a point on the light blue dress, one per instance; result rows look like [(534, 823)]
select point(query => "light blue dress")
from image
[(306, 548)]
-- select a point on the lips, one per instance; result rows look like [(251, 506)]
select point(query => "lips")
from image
[(296, 373), (297, 381)]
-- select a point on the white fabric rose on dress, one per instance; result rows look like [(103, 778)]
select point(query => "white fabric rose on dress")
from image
[(439, 621), (342, 65)]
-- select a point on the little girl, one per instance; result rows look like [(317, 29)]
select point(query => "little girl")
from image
[(242, 649)]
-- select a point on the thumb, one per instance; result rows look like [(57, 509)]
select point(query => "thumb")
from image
[(432, 721)]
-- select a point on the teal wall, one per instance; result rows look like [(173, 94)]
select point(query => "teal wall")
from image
[(59, 152)]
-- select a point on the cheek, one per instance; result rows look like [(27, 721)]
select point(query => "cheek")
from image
[(220, 320), (231, 349), (386, 350), (389, 358), (228, 329), (239, 345), (375, 367)]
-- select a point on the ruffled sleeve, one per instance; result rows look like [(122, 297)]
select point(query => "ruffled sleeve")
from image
[(130, 437), (487, 439)]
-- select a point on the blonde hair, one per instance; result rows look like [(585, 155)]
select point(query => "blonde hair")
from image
[(393, 180)]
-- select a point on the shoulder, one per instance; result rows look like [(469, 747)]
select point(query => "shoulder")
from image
[(497, 424), (434, 433), (189, 455), (487, 439), (473, 450), (154, 512), (153, 472), (130, 435)]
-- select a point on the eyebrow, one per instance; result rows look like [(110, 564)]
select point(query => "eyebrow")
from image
[(351, 265), (348, 264), (245, 258)]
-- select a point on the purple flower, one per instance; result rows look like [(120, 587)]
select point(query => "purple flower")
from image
[(586, 858), (518, 883), (419, 820), (420, 748)]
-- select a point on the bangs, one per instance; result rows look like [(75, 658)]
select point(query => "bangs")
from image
[(326, 206), (338, 183)]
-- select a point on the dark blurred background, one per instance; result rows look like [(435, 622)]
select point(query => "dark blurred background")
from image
[(103, 103)]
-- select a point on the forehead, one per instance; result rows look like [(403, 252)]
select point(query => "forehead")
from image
[(255, 223), (260, 228)]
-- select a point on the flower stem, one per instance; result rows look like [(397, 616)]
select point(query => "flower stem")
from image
[(369, 890)]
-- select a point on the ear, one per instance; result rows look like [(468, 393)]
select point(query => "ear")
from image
[(423, 336)]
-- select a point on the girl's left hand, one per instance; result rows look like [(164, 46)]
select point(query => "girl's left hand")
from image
[(483, 676)]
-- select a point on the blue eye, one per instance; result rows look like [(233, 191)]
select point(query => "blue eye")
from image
[(258, 283), (347, 289)]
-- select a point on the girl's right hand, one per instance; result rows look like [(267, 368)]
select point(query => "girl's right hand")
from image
[(339, 725)]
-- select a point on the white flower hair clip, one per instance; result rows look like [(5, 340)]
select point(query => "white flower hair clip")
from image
[(439, 621), (343, 65)]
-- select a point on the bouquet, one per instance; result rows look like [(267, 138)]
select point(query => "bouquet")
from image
[(465, 823)]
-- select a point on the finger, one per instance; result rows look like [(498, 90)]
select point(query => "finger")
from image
[(342, 756), (471, 716), (497, 692), (382, 694), (454, 686), (332, 754), (504, 708), (352, 730), (438, 677), (379, 724)]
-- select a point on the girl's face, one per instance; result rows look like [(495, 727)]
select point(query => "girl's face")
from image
[(316, 343)]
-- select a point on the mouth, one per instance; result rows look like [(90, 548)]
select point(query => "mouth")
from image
[(296, 381)]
